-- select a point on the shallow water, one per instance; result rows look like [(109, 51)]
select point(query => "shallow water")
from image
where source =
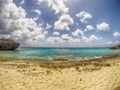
[(51, 53)]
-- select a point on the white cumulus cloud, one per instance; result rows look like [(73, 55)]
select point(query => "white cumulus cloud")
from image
[(35, 18), (15, 24), (63, 23), (57, 5), (116, 34), (60, 8), (48, 26), (22, 2), (56, 33), (78, 33), (84, 16), (38, 12), (103, 26), (89, 28), (93, 38), (53, 39), (65, 37)]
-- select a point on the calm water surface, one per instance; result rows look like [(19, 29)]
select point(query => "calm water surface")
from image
[(51, 53)]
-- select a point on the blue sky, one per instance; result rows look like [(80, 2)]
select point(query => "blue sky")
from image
[(74, 23)]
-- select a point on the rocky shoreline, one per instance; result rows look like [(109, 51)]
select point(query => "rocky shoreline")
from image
[(61, 62)]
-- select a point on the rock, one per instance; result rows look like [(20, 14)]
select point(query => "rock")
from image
[(8, 44)]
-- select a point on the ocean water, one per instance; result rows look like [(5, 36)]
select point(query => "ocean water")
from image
[(51, 53)]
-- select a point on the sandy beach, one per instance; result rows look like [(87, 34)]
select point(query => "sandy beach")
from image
[(101, 74)]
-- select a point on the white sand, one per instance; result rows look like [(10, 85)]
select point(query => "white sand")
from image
[(33, 77)]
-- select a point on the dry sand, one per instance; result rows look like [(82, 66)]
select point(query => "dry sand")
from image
[(29, 75)]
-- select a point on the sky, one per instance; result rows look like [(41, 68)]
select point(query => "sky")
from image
[(65, 23)]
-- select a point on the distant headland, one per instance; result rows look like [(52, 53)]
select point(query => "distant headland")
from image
[(8, 44), (115, 47)]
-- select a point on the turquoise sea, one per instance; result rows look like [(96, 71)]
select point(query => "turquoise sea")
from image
[(51, 53)]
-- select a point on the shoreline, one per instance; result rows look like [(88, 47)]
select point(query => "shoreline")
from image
[(95, 74), (58, 62)]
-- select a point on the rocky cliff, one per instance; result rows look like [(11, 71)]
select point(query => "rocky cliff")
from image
[(8, 44)]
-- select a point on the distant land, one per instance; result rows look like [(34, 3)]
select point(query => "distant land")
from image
[(115, 47)]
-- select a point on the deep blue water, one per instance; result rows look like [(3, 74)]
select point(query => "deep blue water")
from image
[(50, 53)]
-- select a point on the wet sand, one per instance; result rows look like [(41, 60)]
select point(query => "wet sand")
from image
[(99, 74)]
